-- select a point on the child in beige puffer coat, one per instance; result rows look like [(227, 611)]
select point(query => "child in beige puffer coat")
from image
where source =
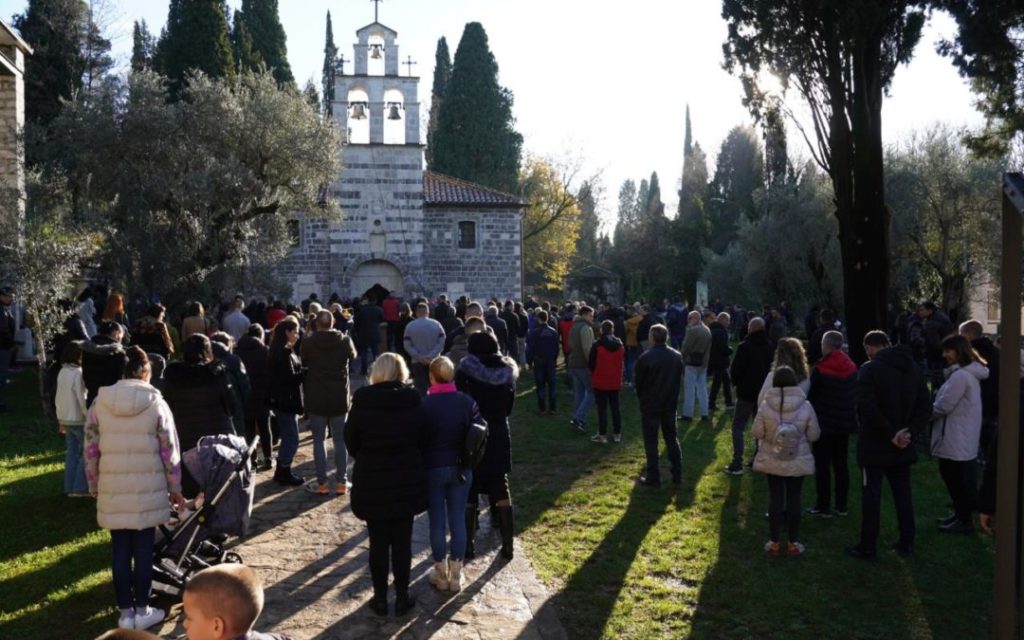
[(785, 426)]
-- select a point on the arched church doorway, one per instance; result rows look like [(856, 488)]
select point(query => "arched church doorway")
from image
[(376, 272)]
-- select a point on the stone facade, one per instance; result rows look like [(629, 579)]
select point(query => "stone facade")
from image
[(395, 231), (12, 107)]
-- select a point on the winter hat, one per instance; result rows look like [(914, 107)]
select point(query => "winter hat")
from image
[(482, 344)]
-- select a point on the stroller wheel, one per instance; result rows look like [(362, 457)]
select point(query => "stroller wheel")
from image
[(232, 557)]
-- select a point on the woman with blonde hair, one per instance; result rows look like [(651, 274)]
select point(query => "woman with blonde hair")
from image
[(386, 428), (789, 352)]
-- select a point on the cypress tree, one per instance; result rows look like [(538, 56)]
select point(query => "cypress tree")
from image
[(143, 46), (687, 139), (247, 58), (442, 75), (330, 59), (312, 95), (475, 138), (268, 37), (196, 39), (53, 73)]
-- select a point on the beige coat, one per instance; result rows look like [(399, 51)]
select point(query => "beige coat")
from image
[(795, 409), (132, 484)]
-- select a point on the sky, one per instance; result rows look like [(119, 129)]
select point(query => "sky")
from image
[(602, 85)]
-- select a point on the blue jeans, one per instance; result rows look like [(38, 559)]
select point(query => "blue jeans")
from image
[(132, 566), (447, 507), (367, 354), (547, 391), (74, 462), (695, 385), (289, 429), (583, 392), (318, 425)]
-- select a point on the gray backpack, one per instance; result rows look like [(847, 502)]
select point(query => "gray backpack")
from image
[(785, 444)]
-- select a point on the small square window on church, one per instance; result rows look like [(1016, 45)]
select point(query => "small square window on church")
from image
[(294, 234), (467, 235)]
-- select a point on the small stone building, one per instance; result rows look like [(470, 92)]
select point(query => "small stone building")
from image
[(12, 106), (594, 284), (411, 231)]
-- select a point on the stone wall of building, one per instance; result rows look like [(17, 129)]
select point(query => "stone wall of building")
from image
[(492, 269), (381, 197), (12, 121)]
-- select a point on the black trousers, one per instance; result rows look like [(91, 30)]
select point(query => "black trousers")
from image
[(871, 504), (962, 483), (259, 424), (606, 399), (665, 421), (390, 539), (831, 455), (496, 488), (720, 379), (784, 504)]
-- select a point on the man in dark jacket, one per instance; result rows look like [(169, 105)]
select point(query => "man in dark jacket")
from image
[(498, 326), (326, 355), (718, 364), (366, 329), (255, 356), (542, 346), (749, 368), (222, 344), (973, 331), (508, 314), (937, 326), (103, 359), (658, 376), (826, 323), (894, 407), (834, 398)]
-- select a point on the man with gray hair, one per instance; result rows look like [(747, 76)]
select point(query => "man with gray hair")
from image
[(696, 352), (749, 368), (834, 398), (424, 340)]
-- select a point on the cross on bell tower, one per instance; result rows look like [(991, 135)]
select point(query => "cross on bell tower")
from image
[(409, 63), (376, 10)]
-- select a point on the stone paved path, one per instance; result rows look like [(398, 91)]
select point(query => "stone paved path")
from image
[(312, 555)]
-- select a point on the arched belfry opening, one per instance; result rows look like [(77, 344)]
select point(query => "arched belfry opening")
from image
[(394, 117), (358, 117)]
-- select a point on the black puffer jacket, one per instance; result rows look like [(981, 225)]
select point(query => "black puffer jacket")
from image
[(239, 379), (284, 393), (891, 395), (201, 399), (385, 433), (103, 361), (751, 365), (990, 385), (834, 394), (720, 349), (491, 381), (256, 357), (658, 377)]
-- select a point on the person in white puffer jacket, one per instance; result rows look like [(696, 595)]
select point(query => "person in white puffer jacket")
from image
[(133, 465), (785, 427), (956, 430)]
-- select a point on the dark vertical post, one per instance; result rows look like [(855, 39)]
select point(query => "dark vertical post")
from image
[(1007, 603)]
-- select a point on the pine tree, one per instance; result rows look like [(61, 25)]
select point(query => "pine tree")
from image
[(739, 173), (312, 95), (96, 58), (776, 154), (53, 28), (691, 227), (590, 224), (687, 139), (247, 58), (654, 206), (196, 39), (442, 75), (475, 138), (268, 38), (330, 60), (143, 47)]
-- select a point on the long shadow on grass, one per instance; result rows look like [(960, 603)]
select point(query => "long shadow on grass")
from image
[(54, 518)]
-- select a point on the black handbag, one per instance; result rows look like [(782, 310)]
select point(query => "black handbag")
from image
[(475, 445)]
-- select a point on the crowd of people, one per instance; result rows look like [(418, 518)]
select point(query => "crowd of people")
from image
[(432, 374)]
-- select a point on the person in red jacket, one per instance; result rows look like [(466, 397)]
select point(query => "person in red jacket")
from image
[(607, 363), (565, 322), (390, 307)]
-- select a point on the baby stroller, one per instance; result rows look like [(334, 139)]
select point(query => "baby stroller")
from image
[(221, 464)]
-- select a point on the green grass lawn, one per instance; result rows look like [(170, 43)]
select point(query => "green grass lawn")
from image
[(687, 562), (623, 561)]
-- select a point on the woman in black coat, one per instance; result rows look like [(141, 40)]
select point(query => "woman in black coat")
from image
[(385, 434), (284, 393), (198, 391), (256, 357), (490, 379)]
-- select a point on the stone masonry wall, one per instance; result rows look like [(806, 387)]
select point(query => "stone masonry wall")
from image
[(492, 269)]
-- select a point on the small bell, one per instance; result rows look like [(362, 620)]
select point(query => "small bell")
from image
[(375, 51), (358, 111), (393, 113)]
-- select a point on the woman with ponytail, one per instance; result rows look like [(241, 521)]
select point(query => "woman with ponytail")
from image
[(132, 464)]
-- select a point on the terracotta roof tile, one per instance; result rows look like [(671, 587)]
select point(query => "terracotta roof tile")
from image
[(442, 190)]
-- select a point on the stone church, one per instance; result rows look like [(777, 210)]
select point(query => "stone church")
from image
[(412, 231)]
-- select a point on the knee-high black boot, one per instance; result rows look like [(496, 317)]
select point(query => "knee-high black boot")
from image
[(506, 525), (472, 514)]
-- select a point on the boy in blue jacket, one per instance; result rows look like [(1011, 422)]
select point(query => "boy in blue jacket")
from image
[(542, 346)]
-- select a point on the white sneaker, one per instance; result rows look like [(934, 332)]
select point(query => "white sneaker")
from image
[(148, 618), (454, 575), (126, 621)]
